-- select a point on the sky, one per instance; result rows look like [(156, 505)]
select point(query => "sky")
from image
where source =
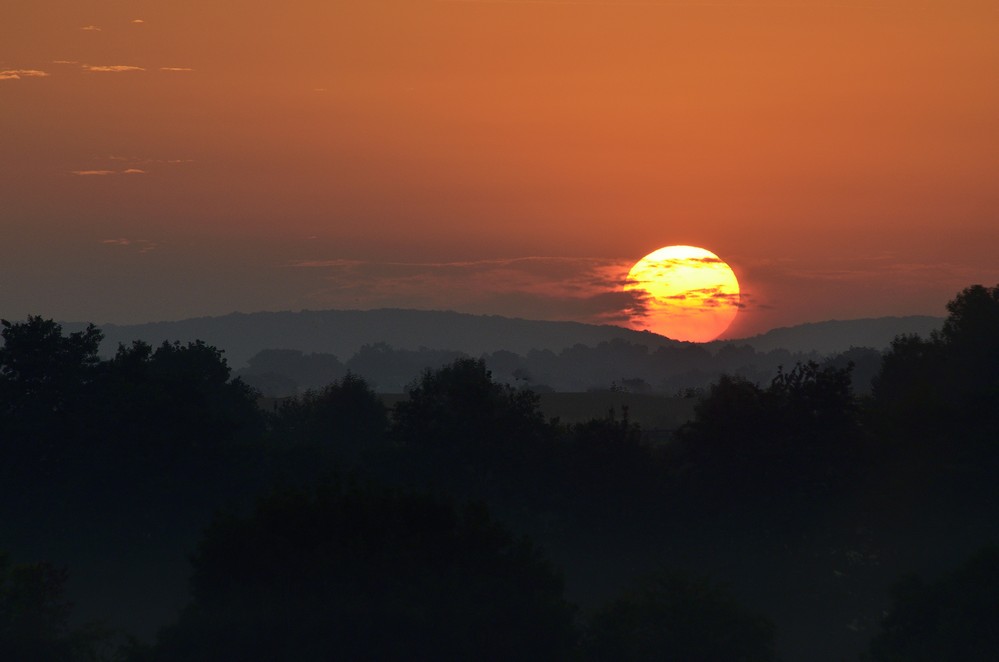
[(162, 160)]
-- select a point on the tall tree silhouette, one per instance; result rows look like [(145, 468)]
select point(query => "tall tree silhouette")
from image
[(795, 440), (35, 617), (673, 617), (346, 417), (971, 336), (363, 573), (44, 378), (953, 618), (927, 387), (472, 435), (607, 478)]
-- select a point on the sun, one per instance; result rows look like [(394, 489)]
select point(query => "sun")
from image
[(687, 293)]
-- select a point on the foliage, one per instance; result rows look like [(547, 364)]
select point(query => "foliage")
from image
[(37, 359), (607, 477), (953, 618), (60, 403), (970, 335), (363, 573), (973, 316), (346, 416), (460, 404), (135, 452), (44, 375), (34, 617), (465, 433), (177, 395), (907, 391), (796, 439), (673, 617), (925, 384)]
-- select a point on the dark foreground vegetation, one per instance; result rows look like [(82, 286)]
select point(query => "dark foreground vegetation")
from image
[(786, 521)]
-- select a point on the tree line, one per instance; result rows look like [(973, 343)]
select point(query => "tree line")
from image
[(463, 524), (615, 364)]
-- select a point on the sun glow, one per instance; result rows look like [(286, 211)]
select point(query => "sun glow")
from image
[(687, 293)]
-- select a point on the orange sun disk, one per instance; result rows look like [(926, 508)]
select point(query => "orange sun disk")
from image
[(687, 293)]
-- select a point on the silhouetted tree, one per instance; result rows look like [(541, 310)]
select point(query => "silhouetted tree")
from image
[(789, 443), (118, 451), (972, 319), (346, 415), (34, 617), (672, 617), (949, 382), (38, 361), (814, 400), (732, 409), (909, 390), (971, 337), (363, 573), (607, 476), (953, 618), (460, 405), (44, 378), (181, 395), (472, 436)]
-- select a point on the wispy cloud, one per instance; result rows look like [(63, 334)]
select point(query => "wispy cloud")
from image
[(540, 287), (137, 21), (127, 165), (568, 276), (111, 68), (17, 74), (141, 162), (812, 288), (65, 62), (91, 28), (884, 267), (106, 173), (141, 245), (176, 69), (585, 289)]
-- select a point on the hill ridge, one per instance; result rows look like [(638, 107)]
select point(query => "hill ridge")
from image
[(343, 331)]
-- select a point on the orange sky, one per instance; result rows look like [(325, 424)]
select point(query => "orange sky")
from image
[(508, 157)]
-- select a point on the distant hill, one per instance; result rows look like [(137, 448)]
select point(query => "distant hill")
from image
[(343, 332), (840, 335)]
